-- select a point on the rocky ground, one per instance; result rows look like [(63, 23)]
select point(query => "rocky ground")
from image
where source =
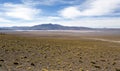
[(21, 53)]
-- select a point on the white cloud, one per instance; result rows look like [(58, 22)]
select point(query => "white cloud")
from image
[(93, 22), (70, 12), (4, 20), (52, 18), (93, 8), (19, 11), (102, 7)]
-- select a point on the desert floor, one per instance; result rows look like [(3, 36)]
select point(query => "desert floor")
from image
[(60, 50)]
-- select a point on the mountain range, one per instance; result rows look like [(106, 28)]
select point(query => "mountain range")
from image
[(51, 26), (46, 27)]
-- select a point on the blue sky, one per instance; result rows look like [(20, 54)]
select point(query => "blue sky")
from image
[(88, 13)]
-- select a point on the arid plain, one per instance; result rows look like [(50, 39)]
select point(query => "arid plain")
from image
[(92, 50)]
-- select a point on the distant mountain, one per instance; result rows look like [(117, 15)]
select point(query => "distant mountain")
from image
[(4, 29), (19, 28), (48, 27), (56, 27)]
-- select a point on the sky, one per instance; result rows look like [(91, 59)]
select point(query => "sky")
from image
[(87, 13)]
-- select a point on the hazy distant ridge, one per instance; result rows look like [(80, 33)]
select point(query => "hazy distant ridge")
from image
[(54, 27), (48, 27)]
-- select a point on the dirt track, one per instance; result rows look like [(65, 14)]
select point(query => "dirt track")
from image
[(105, 40)]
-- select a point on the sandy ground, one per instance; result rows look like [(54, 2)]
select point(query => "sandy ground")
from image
[(60, 50)]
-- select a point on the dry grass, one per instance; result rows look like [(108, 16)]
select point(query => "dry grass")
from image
[(18, 53)]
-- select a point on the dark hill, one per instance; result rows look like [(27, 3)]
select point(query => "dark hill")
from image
[(56, 27), (48, 27)]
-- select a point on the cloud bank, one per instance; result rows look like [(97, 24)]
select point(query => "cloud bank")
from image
[(18, 11), (91, 13), (94, 8)]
